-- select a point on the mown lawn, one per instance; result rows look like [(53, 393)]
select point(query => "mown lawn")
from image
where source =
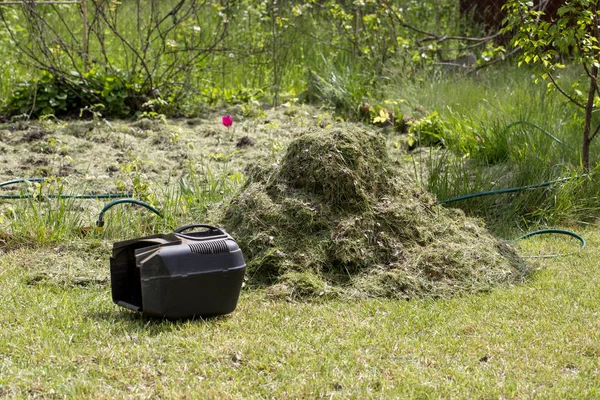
[(62, 337)]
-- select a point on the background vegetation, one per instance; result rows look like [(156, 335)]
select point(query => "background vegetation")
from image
[(189, 53)]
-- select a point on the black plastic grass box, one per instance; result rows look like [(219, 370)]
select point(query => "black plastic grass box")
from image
[(178, 275)]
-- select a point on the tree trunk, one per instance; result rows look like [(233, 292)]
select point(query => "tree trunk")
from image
[(589, 108)]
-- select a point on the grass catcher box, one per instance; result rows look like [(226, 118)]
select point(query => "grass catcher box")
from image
[(178, 275)]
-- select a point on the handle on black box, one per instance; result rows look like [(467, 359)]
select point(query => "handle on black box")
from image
[(185, 228)]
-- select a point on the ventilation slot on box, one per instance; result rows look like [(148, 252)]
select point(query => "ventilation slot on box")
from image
[(212, 247)]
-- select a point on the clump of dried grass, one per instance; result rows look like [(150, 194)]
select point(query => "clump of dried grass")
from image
[(334, 219)]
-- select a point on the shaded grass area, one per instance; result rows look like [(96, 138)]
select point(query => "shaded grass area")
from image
[(58, 338)]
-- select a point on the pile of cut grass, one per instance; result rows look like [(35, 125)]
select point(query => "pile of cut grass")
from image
[(333, 218)]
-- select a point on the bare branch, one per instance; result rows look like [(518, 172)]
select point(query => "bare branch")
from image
[(429, 36), (492, 62), (561, 90), (128, 45), (439, 39), (595, 132)]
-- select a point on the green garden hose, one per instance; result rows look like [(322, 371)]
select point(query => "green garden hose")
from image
[(548, 231), (123, 198), (54, 195), (521, 188), (21, 180), (100, 221), (508, 190), (66, 196), (539, 128), (539, 232)]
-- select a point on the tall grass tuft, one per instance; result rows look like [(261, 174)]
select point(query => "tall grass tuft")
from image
[(41, 222), (194, 197)]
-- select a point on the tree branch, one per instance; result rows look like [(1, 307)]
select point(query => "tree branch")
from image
[(568, 96), (595, 132), (126, 44), (589, 73), (429, 36)]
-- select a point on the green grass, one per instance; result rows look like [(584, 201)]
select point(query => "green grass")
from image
[(61, 336)]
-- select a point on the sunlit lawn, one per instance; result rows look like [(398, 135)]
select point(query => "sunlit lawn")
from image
[(61, 336)]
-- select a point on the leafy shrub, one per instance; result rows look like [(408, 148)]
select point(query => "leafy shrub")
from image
[(117, 95), (41, 96), (388, 114)]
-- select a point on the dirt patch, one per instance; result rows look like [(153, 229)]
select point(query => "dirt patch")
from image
[(245, 141), (33, 135), (336, 217), (110, 155)]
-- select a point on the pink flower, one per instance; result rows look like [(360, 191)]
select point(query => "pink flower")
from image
[(227, 120)]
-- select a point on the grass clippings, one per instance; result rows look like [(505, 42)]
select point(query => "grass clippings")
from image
[(334, 218)]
